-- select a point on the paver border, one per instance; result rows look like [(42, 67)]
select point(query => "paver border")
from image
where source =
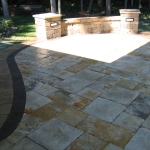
[(19, 92)]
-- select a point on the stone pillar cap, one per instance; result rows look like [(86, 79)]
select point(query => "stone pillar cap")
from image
[(46, 15), (129, 11)]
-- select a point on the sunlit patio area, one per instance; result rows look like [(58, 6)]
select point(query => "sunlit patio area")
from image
[(81, 92)]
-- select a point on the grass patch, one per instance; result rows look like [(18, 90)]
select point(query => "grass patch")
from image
[(25, 31)]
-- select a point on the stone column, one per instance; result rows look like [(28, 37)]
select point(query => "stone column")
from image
[(48, 25), (129, 20)]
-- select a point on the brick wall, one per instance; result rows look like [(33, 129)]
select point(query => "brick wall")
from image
[(87, 25)]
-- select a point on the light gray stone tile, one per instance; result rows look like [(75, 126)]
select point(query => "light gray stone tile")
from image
[(104, 83), (88, 75), (146, 124), (140, 141), (119, 73), (65, 62), (26, 144), (104, 109), (87, 142), (128, 121), (73, 85), (139, 65), (44, 78), (112, 147), (140, 106), (89, 93), (97, 67), (34, 101), (51, 70), (120, 95), (60, 133), (63, 74), (143, 77), (44, 89)]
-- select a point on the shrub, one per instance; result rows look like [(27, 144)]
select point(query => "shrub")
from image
[(5, 24)]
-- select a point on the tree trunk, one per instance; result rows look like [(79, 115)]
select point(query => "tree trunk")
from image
[(100, 2), (59, 6), (108, 7), (81, 5), (53, 6), (5, 8), (90, 6), (132, 3), (140, 6), (125, 4)]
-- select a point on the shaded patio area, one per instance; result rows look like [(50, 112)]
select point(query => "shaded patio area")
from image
[(76, 93)]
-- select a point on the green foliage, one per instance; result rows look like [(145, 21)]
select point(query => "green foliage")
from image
[(25, 25), (5, 24)]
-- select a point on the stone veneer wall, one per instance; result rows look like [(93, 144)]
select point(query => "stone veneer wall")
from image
[(50, 25), (87, 25)]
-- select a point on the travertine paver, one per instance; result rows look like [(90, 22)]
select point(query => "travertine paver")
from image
[(120, 95), (140, 106), (142, 88), (70, 113), (50, 70), (44, 89), (26, 144), (73, 85), (104, 109), (60, 133), (46, 79), (118, 136), (140, 140), (65, 89), (128, 121), (143, 77), (120, 73), (104, 83), (35, 101), (89, 93), (87, 142), (88, 75), (78, 67), (112, 147), (70, 99), (63, 74), (97, 67), (129, 84), (146, 124), (65, 62)]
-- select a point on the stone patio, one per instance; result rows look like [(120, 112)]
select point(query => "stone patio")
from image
[(83, 92)]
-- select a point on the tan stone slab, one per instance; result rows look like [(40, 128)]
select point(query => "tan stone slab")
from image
[(72, 116), (45, 113), (106, 131), (142, 88), (127, 83), (87, 142), (78, 67)]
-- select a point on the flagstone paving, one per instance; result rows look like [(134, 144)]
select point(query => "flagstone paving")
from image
[(88, 94)]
